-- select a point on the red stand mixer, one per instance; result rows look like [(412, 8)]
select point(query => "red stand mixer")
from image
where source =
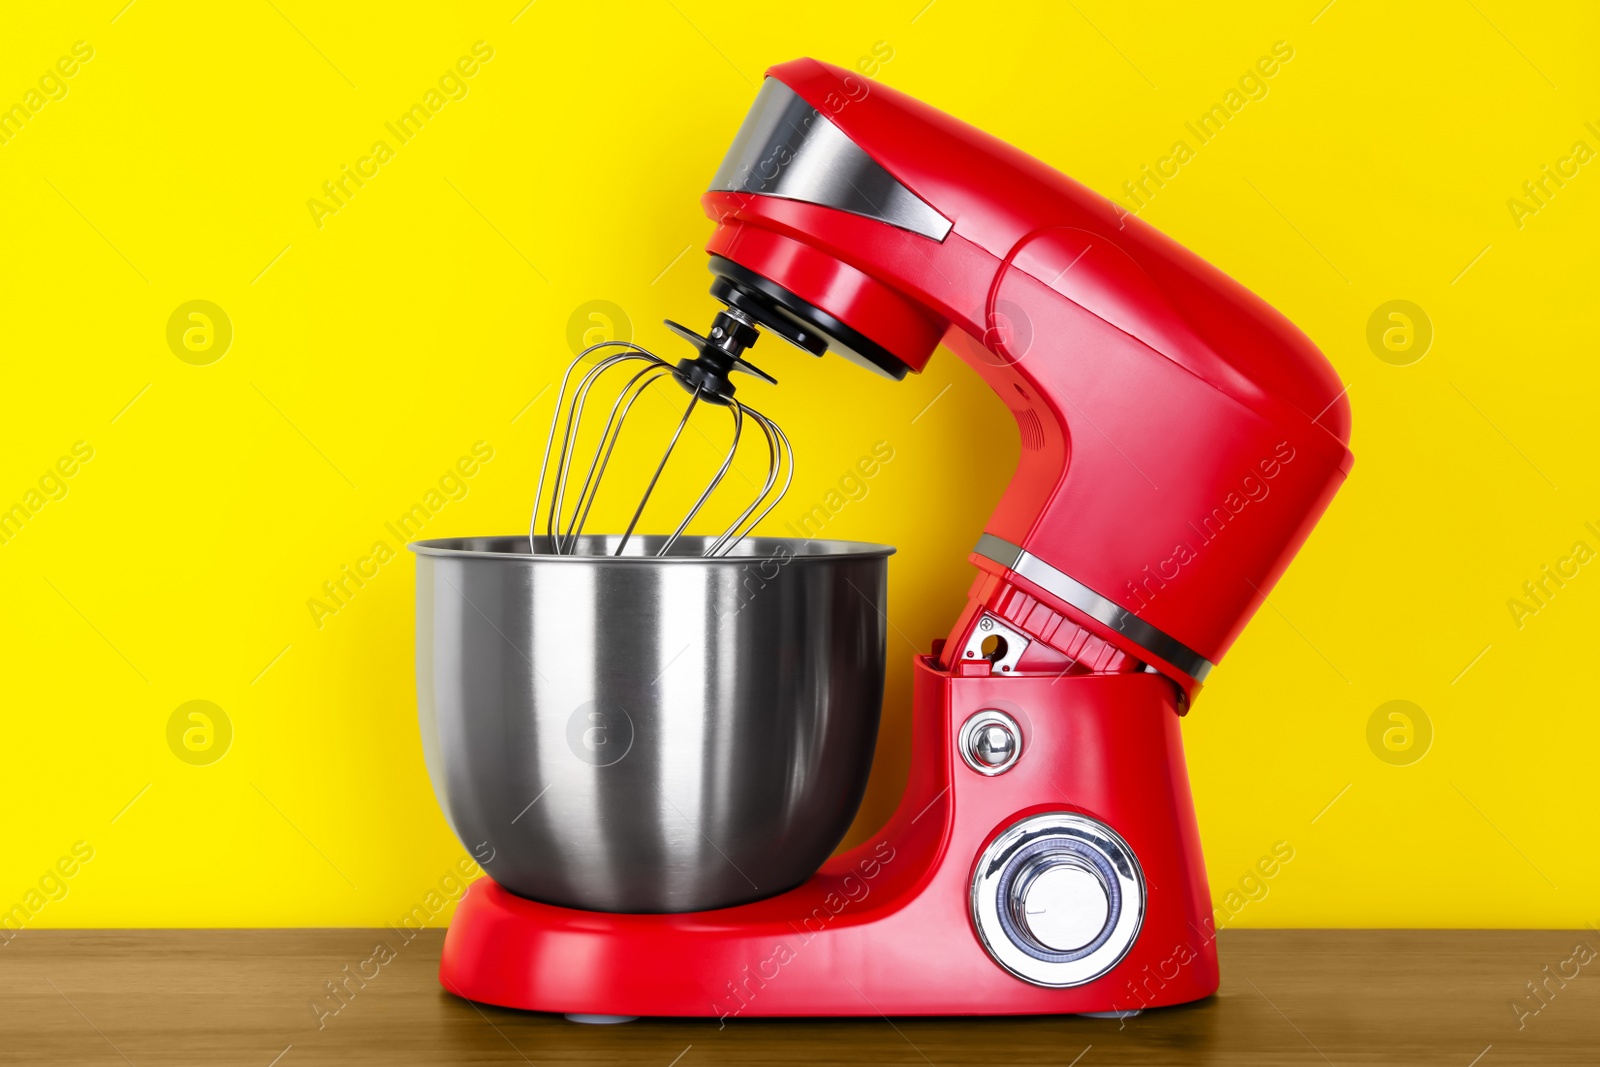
[(1179, 439)]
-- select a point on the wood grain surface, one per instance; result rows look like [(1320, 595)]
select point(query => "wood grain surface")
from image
[(245, 997)]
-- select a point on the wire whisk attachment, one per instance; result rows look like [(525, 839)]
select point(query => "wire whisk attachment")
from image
[(563, 514)]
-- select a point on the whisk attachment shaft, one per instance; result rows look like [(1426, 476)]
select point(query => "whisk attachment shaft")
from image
[(705, 377)]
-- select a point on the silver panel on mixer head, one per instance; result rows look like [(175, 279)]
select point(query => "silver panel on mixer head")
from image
[(787, 148)]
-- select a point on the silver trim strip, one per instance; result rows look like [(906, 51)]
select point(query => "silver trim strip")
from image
[(1092, 604), (788, 149)]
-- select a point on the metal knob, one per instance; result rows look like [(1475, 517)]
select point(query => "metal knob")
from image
[(1058, 899), (1061, 902), (990, 742)]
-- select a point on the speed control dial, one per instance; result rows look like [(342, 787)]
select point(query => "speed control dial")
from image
[(1058, 899)]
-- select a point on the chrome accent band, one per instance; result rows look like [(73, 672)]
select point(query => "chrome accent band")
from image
[(1092, 604), (788, 149)]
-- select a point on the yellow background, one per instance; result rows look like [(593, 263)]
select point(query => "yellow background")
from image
[(368, 354)]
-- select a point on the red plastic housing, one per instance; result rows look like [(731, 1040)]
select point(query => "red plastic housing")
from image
[(1179, 437), (886, 928)]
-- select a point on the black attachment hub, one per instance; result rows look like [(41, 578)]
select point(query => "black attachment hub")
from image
[(769, 305), (719, 355), (757, 306), (753, 301)]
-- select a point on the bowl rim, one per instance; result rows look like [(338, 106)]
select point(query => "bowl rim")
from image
[(831, 549)]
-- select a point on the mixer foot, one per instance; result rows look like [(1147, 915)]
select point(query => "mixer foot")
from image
[(1126, 1013), (598, 1020)]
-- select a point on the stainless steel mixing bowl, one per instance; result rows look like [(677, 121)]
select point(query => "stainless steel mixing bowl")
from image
[(634, 734)]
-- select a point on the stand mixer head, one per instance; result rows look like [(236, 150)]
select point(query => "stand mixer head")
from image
[(1179, 436)]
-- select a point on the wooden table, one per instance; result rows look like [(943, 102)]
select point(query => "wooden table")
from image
[(1288, 997)]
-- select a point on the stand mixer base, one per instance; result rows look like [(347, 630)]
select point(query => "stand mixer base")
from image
[(897, 926)]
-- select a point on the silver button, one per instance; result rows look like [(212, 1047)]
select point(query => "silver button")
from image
[(990, 742), (993, 744)]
